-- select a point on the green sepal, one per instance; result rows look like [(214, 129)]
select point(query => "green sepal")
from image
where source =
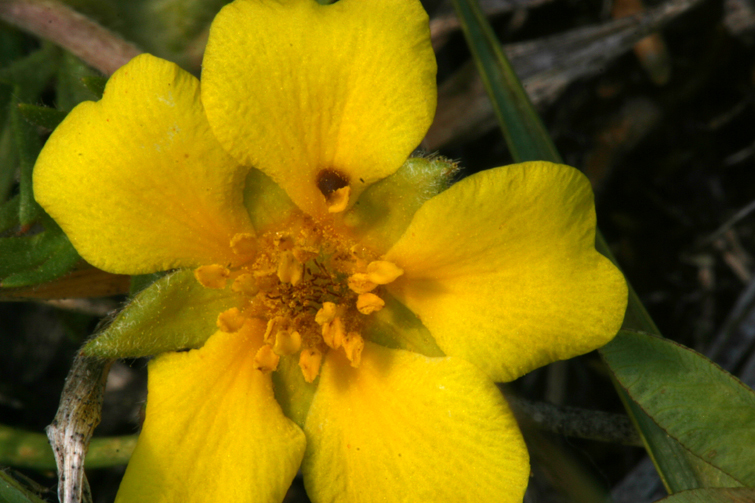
[(95, 84), (141, 281), (397, 327), (384, 210), (36, 259), (712, 495), (173, 313), (45, 117), (292, 392), (706, 409), (268, 204)]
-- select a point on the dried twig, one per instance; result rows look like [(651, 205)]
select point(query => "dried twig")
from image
[(545, 67), (71, 430), (58, 23)]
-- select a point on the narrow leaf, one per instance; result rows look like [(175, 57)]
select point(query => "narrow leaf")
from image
[(45, 117), (11, 491), (713, 495), (709, 411), (95, 85)]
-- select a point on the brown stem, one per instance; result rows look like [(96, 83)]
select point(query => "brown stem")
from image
[(76, 33)]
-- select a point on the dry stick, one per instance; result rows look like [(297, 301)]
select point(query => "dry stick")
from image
[(72, 31), (578, 423)]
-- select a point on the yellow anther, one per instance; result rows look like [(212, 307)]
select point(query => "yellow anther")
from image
[(333, 333), (269, 335), (212, 276), (383, 272), (289, 269), (326, 313), (368, 303), (339, 200), (353, 344), (360, 283), (287, 343), (243, 244), (265, 360), (309, 362), (231, 320), (245, 284)]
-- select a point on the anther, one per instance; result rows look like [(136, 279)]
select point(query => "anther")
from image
[(287, 343), (360, 283), (243, 244), (368, 303), (326, 313), (309, 362), (265, 360), (353, 344), (383, 272), (245, 284), (231, 320), (333, 333), (290, 270), (212, 276)]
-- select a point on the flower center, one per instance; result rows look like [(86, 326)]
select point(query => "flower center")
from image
[(315, 288)]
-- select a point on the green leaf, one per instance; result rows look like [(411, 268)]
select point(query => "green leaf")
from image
[(45, 117), (12, 491), (28, 146), (9, 214), (36, 259), (709, 411), (95, 84), (713, 495), (69, 86), (173, 313)]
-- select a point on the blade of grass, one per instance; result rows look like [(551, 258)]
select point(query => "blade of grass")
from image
[(528, 140)]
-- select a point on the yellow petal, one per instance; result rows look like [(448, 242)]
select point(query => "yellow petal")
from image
[(137, 180), (502, 269), (295, 88), (405, 427), (213, 431)]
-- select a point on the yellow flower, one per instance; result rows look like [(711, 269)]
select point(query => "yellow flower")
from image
[(320, 359)]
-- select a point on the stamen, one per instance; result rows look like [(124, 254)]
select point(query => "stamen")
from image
[(383, 272), (265, 360), (243, 244), (268, 337), (309, 362), (368, 303), (231, 320), (339, 200), (287, 343), (360, 283), (290, 270), (212, 276), (333, 333), (326, 313), (245, 284), (353, 344)]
